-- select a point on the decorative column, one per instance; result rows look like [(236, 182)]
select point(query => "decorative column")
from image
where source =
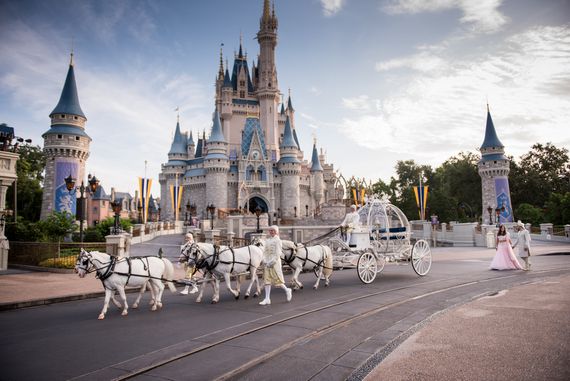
[(7, 177)]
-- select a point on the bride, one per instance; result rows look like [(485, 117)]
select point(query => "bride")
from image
[(505, 258)]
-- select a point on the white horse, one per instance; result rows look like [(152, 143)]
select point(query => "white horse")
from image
[(217, 261), (115, 274), (312, 258)]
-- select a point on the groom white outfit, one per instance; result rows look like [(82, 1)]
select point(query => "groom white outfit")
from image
[(351, 221), (523, 244)]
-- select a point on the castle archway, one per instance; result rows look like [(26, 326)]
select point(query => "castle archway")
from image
[(254, 202)]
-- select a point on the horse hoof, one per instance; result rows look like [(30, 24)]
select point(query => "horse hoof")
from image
[(214, 301), (301, 287), (153, 308), (315, 287), (255, 295), (246, 296), (236, 297), (124, 313), (135, 306), (101, 317)]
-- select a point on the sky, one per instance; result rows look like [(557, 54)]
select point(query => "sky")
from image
[(374, 81)]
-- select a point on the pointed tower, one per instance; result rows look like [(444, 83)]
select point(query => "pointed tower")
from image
[(290, 169), (494, 172), (191, 147), (268, 88), (173, 172), (217, 165), (66, 146), (317, 180)]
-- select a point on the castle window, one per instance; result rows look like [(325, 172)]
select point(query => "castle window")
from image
[(60, 136), (75, 117), (242, 83), (77, 138), (62, 116), (242, 94)]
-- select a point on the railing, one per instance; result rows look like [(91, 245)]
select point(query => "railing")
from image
[(49, 254)]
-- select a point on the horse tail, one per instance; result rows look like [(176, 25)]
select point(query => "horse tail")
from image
[(168, 274), (327, 271)]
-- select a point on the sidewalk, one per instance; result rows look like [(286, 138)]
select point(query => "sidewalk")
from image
[(518, 334)]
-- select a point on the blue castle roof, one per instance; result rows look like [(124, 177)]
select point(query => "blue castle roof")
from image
[(217, 135), (491, 138), (65, 129), (252, 125), (288, 139), (316, 163), (178, 143), (69, 100)]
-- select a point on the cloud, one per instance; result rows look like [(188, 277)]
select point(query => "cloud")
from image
[(441, 112), (482, 16), (423, 61), (361, 103), (130, 114), (331, 7)]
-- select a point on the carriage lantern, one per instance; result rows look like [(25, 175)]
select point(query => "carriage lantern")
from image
[(211, 209), (257, 214)]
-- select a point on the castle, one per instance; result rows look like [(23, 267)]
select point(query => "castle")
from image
[(494, 171), (252, 158)]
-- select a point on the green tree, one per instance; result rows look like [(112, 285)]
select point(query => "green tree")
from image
[(57, 225), (557, 209), (545, 169), (29, 169), (529, 213)]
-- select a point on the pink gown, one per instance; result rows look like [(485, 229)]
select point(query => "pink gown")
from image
[(505, 258)]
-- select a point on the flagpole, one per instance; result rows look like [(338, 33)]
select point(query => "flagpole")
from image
[(421, 194)]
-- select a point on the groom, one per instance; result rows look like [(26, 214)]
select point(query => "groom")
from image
[(523, 243)]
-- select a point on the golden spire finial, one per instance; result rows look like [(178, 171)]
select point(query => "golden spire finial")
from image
[(314, 139), (177, 109)]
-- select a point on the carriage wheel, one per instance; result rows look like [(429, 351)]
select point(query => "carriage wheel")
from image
[(367, 267), (421, 257)]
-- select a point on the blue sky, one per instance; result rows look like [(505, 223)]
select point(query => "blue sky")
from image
[(375, 81)]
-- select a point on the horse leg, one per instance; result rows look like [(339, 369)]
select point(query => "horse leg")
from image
[(205, 280), (253, 274), (108, 295), (319, 274), (296, 277), (124, 299), (141, 292), (159, 287), (116, 302), (216, 285), (229, 286)]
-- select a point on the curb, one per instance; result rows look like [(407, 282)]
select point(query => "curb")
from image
[(43, 302)]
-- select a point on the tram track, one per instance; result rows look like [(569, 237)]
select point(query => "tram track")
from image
[(315, 333)]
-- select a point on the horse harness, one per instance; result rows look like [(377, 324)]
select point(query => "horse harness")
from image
[(210, 266), (110, 270)]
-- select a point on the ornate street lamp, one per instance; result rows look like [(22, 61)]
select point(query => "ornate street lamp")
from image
[(295, 209), (93, 184), (490, 210), (211, 209), (306, 210), (117, 207), (257, 214), (139, 208)]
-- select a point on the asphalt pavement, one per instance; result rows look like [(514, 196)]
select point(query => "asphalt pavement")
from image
[(518, 334)]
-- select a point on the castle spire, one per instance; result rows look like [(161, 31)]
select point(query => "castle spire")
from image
[(316, 163), (221, 68), (69, 100), (491, 138)]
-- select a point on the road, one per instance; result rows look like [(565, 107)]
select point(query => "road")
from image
[(322, 334)]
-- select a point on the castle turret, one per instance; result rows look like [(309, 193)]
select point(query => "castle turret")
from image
[(191, 147), (66, 146), (290, 169), (217, 165), (172, 173), (317, 180), (268, 87), (494, 172)]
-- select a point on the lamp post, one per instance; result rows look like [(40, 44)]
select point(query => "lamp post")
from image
[(117, 207), (306, 210), (93, 184), (139, 208), (257, 214), (490, 210), (159, 213), (186, 220), (211, 209), (295, 209)]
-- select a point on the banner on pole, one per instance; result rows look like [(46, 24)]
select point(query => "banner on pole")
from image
[(421, 194), (176, 199), (144, 190)]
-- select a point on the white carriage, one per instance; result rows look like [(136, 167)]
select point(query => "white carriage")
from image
[(384, 236)]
